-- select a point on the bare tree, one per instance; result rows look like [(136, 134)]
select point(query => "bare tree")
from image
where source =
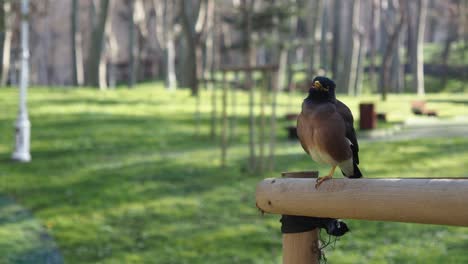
[(112, 50), (249, 58), (137, 31), (453, 25), (23, 126), (2, 29), (348, 80), (9, 18), (336, 53), (313, 24), (194, 23), (375, 25), (77, 49), (168, 39), (96, 47), (132, 48), (391, 45), (418, 55), (324, 40), (224, 133)]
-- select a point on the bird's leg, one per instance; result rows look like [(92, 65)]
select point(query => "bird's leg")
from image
[(324, 178)]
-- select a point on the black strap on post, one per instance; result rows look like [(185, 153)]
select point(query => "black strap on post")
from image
[(299, 224)]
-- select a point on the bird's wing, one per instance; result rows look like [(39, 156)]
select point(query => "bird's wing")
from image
[(329, 135), (347, 116), (303, 132)]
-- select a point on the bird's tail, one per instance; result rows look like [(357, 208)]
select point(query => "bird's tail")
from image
[(350, 169)]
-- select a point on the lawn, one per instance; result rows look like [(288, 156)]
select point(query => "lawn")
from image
[(120, 177)]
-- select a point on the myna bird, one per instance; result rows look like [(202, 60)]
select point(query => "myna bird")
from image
[(326, 132)]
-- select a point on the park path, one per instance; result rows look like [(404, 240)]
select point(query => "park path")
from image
[(415, 128), (23, 239)]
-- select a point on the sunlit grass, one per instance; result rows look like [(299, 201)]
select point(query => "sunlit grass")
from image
[(121, 177)]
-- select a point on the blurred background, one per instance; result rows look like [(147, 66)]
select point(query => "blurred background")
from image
[(135, 131)]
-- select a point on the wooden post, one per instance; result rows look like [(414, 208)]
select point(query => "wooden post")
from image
[(213, 109), (424, 200), (274, 91), (225, 123), (252, 158), (301, 248), (248, 70), (261, 139), (233, 122), (197, 113)]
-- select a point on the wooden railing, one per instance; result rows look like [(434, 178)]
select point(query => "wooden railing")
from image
[(442, 201)]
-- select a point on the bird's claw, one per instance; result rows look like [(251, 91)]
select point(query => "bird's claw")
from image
[(321, 179)]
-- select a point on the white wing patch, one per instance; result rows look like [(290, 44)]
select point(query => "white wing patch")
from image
[(347, 167)]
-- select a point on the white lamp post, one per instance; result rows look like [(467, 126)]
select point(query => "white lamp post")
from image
[(22, 125)]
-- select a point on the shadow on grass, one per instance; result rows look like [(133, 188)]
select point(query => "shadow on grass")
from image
[(24, 239)]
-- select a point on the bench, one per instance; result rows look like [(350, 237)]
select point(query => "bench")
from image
[(418, 107)]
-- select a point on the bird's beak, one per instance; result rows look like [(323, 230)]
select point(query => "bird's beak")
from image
[(318, 86)]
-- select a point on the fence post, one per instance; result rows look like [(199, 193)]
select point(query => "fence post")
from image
[(301, 248)]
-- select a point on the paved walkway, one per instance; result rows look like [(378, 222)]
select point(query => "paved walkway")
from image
[(23, 240), (426, 127)]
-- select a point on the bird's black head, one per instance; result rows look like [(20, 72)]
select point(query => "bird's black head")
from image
[(322, 89)]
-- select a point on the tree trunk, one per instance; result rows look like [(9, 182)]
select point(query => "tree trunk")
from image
[(453, 25), (171, 79), (215, 63), (323, 40), (262, 125), (9, 20), (336, 55), (392, 44), (248, 61), (313, 23), (2, 30), (350, 68), (96, 46), (432, 21), (103, 69), (112, 53), (224, 133), (359, 66), (76, 41), (418, 70), (132, 48), (375, 25), (188, 27), (396, 71), (276, 79), (233, 123)]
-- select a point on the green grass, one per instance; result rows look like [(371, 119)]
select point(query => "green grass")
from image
[(120, 177)]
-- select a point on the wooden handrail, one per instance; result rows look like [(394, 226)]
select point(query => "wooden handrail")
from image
[(425, 200)]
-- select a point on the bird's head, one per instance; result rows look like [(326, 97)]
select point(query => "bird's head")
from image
[(322, 89)]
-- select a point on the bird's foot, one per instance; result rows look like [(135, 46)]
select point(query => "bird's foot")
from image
[(322, 179)]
